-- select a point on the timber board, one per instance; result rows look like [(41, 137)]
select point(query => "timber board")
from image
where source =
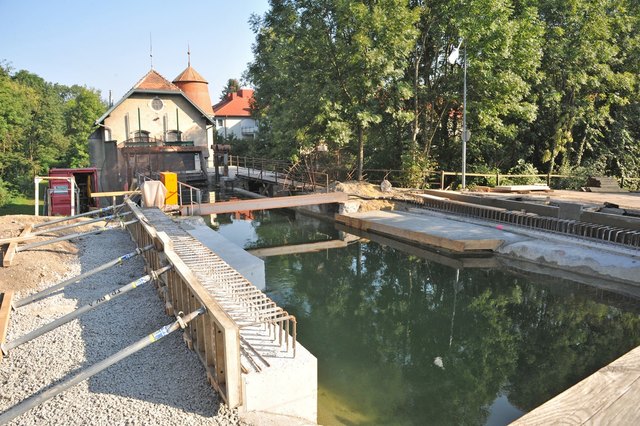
[(609, 396), (265, 203), (427, 230), (5, 310), (10, 252)]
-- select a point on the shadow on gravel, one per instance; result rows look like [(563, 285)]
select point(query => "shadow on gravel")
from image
[(164, 373)]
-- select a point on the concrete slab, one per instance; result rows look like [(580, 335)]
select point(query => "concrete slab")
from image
[(249, 266), (430, 230), (287, 389)]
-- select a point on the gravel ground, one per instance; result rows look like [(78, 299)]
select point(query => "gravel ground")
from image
[(164, 384)]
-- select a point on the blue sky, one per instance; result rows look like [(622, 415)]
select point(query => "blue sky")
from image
[(105, 44)]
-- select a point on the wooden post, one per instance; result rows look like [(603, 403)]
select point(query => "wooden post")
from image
[(497, 178), (5, 310), (7, 260), (442, 179)]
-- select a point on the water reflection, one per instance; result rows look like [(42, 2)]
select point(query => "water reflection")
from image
[(403, 340)]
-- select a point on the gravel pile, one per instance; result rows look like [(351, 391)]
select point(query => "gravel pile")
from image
[(164, 384)]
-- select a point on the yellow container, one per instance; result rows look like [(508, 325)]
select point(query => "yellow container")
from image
[(170, 181)]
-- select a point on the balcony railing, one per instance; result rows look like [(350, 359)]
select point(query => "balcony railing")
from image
[(149, 141)]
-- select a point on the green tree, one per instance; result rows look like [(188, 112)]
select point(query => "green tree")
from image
[(322, 69), (80, 114), (232, 86), (590, 51)]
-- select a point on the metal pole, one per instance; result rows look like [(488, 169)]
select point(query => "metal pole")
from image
[(36, 182), (70, 237), (80, 277), (64, 219), (73, 225), (72, 188), (6, 347), (36, 400), (464, 122)]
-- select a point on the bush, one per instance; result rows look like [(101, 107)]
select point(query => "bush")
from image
[(522, 168), (5, 194)]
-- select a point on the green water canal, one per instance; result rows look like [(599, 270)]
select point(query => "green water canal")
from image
[(401, 340)]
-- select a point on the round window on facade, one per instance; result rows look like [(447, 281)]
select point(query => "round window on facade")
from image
[(157, 104)]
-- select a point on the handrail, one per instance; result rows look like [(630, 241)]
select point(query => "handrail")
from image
[(198, 192)]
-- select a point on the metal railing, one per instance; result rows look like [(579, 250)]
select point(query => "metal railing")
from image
[(192, 190), (289, 175)]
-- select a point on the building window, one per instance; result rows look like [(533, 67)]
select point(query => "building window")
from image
[(220, 122), (157, 104)]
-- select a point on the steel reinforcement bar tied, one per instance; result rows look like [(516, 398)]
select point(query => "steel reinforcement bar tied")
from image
[(73, 280), (6, 347), (36, 400)]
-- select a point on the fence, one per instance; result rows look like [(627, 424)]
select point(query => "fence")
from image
[(214, 336)]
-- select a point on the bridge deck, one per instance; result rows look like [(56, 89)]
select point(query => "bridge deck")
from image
[(254, 313)]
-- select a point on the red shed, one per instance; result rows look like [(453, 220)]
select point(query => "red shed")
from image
[(60, 193)]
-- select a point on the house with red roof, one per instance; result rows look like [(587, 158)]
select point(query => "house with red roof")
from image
[(157, 126), (233, 115)]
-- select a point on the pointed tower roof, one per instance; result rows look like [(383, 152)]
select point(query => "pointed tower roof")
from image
[(190, 75), (195, 87), (154, 81)]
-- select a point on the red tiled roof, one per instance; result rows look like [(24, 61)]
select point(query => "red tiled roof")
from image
[(154, 81), (235, 104), (189, 75)]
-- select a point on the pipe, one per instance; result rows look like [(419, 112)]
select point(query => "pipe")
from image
[(80, 277), (64, 219), (6, 347), (70, 237), (36, 400)]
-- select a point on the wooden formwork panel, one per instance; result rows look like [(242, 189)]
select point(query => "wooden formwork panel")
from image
[(214, 336)]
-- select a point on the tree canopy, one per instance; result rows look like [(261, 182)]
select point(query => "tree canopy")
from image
[(552, 83), (42, 125)]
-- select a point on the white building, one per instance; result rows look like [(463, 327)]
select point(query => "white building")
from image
[(233, 116)]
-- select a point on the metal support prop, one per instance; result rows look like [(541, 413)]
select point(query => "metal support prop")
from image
[(64, 219), (73, 280), (6, 347), (36, 400), (71, 236), (73, 225)]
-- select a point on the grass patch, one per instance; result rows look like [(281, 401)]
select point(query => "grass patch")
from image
[(18, 205)]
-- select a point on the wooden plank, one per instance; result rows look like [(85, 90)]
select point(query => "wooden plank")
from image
[(113, 193), (455, 261), (5, 310), (607, 393), (298, 248), (10, 253), (447, 234), (266, 203)]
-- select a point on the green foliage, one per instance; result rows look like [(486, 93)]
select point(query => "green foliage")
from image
[(5, 193), (233, 85), (522, 168), (42, 125), (554, 83)]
